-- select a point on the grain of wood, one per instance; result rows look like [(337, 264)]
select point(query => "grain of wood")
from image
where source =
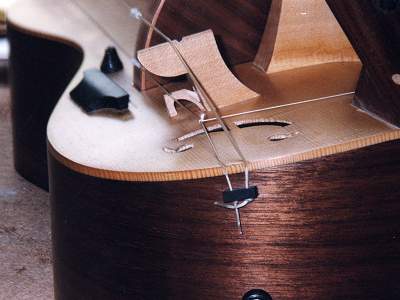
[(137, 143), (201, 53), (326, 228), (300, 34)]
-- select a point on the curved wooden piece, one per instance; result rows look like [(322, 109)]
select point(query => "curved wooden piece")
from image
[(300, 34), (134, 155), (137, 143), (331, 235), (201, 53), (322, 228), (40, 72), (238, 26)]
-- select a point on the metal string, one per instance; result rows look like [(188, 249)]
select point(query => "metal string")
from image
[(211, 104), (163, 88), (200, 87), (282, 106), (136, 13)]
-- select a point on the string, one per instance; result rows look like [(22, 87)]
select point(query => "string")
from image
[(203, 92), (283, 106), (162, 87), (197, 83)]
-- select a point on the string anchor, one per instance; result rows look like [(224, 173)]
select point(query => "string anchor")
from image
[(232, 198), (236, 199)]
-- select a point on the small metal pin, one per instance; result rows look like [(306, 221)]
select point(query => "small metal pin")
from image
[(238, 221), (236, 206), (135, 12), (237, 212)]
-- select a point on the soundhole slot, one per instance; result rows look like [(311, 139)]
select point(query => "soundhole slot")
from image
[(261, 122), (180, 149), (213, 128), (281, 137), (240, 124)]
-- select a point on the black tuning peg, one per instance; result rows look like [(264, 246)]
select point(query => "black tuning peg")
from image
[(257, 294), (111, 61)]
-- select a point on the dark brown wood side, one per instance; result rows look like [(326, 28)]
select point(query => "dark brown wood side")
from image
[(373, 28), (267, 45), (237, 24), (322, 229), (40, 71)]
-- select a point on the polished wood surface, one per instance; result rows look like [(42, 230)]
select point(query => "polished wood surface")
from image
[(39, 73), (322, 229), (378, 45), (238, 26), (300, 34), (137, 147), (201, 52), (131, 221), (340, 127)]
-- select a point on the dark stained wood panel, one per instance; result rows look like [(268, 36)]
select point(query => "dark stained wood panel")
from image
[(322, 229), (238, 25), (373, 27), (38, 78)]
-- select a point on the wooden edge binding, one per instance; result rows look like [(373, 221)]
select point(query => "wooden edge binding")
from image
[(217, 171)]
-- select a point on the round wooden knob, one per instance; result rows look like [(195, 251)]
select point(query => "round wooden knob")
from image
[(257, 294)]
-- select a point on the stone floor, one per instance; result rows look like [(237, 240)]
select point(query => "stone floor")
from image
[(25, 256)]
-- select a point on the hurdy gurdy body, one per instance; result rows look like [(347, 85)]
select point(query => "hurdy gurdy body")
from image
[(289, 126)]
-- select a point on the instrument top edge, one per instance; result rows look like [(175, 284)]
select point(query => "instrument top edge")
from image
[(70, 139)]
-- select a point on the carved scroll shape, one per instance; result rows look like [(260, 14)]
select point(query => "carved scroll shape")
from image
[(202, 54)]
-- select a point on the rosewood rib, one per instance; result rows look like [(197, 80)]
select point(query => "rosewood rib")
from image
[(377, 42), (40, 71), (322, 229)]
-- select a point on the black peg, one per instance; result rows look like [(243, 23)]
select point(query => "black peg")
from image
[(257, 294), (97, 91), (111, 61)]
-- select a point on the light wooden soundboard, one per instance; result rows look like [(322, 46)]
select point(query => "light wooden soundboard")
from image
[(131, 146)]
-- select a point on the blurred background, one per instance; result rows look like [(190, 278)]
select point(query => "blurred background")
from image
[(25, 256)]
